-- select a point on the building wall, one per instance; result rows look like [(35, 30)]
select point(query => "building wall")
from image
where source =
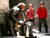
[(4, 5), (12, 3)]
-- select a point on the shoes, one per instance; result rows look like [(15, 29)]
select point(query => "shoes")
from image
[(46, 31), (23, 34)]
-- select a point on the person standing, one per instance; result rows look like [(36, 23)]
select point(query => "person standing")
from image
[(42, 16), (30, 17)]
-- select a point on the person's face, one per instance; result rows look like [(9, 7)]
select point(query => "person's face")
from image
[(23, 7), (41, 5), (30, 7)]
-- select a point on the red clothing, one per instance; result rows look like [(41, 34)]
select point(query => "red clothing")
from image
[(42, 13), (30, 13)]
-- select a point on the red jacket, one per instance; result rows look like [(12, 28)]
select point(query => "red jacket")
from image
[(42, 13), (30, 14)]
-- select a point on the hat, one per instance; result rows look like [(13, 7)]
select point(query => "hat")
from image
[(42, 2), (15, 8), (30, 4), (21, 4)]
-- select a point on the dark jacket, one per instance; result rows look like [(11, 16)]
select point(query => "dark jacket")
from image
[(18, 15)]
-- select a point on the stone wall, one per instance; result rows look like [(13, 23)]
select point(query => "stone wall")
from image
[(4, 5)]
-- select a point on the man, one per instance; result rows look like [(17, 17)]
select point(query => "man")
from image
[(42, 16), (30, 17), (20, 16)]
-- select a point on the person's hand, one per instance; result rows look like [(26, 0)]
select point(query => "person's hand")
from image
[(24, 19), (18, 26), (36, 16)]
